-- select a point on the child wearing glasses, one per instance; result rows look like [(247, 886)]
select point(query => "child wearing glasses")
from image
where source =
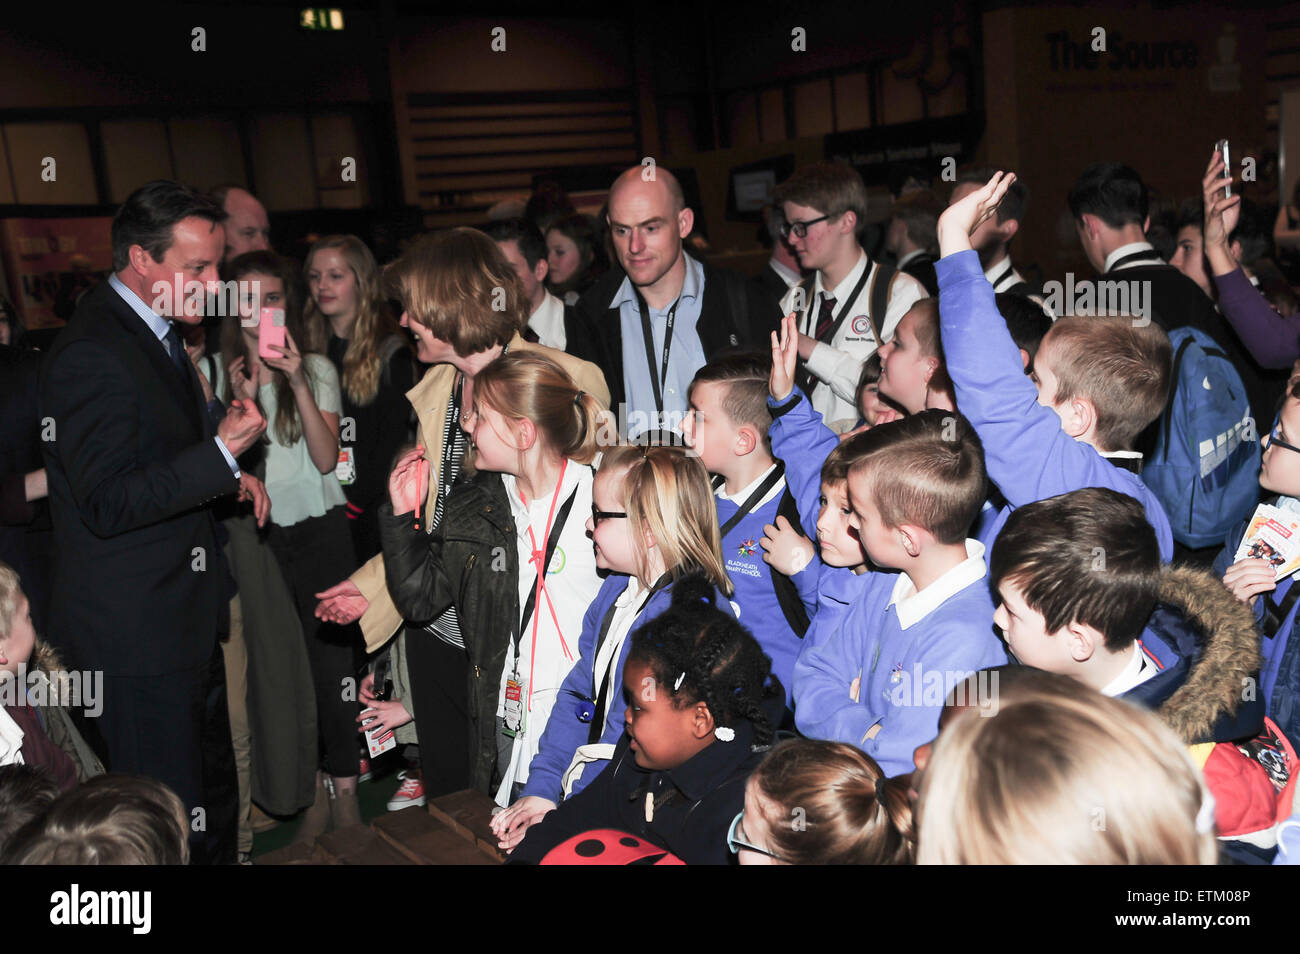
[(813, 802), (653, 522), (1253, 580), (700, 703)]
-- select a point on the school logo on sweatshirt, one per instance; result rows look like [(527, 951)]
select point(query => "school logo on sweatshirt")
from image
[(748, 547), (860, 324)]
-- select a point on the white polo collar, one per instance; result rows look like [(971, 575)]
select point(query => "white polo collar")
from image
[(915, 606)]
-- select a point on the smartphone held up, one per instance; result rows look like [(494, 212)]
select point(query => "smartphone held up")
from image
[(270, 333)]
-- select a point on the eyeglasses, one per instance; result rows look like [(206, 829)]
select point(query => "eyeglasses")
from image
[(799, 229), (1272, 438), (735, 842), (598, 515)]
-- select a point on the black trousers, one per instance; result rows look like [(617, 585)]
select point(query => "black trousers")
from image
[(176, 728), (314, 554), (439, 676)]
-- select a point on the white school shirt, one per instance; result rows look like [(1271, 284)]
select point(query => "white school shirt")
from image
[(914, 605), (572, 584), (1138, 671), (838, 365)]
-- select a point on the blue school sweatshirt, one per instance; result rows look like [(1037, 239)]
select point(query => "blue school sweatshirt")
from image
[(760, 610), (873, 671), (1026, 453), (565, 731)]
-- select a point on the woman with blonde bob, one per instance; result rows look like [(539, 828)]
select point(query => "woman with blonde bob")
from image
[(348, 319), (1059, 774), (463, 305), (653, 522)]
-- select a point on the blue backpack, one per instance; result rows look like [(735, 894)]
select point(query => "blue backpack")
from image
[(1205, 468)]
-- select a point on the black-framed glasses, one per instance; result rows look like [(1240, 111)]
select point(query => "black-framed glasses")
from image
[(799, 229), (1271, 438), (597, 515), (735, 842)]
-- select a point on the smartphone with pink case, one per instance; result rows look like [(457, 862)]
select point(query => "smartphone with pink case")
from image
[(270, 333)]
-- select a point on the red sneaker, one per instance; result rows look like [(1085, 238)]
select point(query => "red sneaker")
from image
[(410, 793)]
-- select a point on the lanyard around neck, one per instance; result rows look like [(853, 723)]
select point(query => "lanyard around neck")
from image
[(647, 333), (752, 501)]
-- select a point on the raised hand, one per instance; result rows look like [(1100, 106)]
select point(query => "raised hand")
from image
[(241, 384), (785, 353), (961, 218), (1221, 214), (290, 361)]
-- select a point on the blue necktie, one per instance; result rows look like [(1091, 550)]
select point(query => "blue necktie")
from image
[(177, 352)]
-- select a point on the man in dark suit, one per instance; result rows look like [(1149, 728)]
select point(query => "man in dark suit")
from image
[(911, 237), (656, 322), (782, 271), (140, 584), (992, 237)]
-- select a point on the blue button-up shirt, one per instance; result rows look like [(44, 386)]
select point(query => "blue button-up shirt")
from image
[(159, 326), (686, 356)]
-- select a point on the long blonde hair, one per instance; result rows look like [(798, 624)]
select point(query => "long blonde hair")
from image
[(666, 490), (1060, 774), (363, 360)]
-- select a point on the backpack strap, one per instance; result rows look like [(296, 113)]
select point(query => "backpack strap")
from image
[(787, 594), (1275, 614), (1165, 423), (882, 287)]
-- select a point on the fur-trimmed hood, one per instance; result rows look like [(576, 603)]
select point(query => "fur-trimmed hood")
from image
[(1207, 645)]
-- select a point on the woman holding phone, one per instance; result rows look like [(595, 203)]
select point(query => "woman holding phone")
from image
[(299, 395)]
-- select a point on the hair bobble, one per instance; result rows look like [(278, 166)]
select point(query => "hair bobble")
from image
[(577, 398), (725, 733)]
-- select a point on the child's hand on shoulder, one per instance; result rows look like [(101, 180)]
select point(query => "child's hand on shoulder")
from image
[(785, 549), (785, 352), (1246, 579), (961, 218)]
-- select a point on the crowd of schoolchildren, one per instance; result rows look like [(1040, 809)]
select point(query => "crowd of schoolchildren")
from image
[(919, 579)]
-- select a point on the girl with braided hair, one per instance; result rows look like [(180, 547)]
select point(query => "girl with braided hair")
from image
[(701, 706)]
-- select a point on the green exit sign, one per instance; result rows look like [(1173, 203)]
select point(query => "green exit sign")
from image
[(321, 18)]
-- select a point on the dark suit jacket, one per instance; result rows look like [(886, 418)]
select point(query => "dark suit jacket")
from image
[(1177, 301), (130, 471), (720, 328), (771, 284)]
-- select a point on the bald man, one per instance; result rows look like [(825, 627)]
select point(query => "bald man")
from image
[(666, 315)]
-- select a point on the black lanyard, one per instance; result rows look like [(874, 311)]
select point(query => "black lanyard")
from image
[(647, 333), (551, 543), (1007, 272), (602, 693), (752, 501)]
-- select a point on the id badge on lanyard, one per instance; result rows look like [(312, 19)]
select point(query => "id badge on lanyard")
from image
[(513, 710), (346, 468)]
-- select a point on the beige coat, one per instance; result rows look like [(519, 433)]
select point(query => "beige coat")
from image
[(430, 398)]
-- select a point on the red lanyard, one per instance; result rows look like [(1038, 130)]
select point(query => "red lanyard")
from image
[(538, 559)]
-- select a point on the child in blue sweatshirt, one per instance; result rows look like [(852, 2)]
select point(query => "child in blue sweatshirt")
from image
[(879, 682), (727, 426), (1096, 384), (652, 522), (817, 470)]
